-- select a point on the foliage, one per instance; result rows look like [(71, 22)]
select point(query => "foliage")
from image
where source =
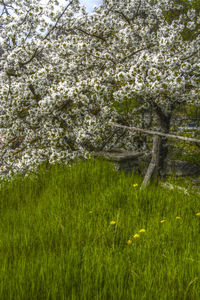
[(192, 112), (184, 7)]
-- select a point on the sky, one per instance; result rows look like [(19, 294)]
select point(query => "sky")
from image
[(90, 4)]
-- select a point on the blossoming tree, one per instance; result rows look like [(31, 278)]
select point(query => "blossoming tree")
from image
[(63, 81), (138, 54), (43, 106)]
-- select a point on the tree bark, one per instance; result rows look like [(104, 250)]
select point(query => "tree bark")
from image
[(164, 120), (164, 128)]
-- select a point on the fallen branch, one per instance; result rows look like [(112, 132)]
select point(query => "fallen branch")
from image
[(152, 132)]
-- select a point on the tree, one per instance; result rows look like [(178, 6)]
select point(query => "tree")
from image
[(60, 88), (31, 73), (44, 109), (137, 52)]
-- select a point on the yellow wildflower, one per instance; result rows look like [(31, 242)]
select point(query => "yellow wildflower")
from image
[(198, 214), (178, 218), (162, 221), (135, 185), (142, 230), (129, 242), (136, 236), (90, 212), (112, 223)]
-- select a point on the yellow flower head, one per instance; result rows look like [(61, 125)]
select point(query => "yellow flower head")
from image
[(112, 223), (162, 221), (142, 230), (90, 212), (178, 218), (136, 236), (135, 185), (129, 242), (198, 214)]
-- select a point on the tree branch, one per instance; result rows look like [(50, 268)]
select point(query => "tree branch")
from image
[(21, 64), (93, 35), (36, 96), (125, 17), (152, 132), (133, 53), (48, 33)]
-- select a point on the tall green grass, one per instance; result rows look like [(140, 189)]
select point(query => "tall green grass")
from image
[(74, 233)]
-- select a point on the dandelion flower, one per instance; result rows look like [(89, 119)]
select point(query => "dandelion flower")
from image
[(112, 223), (135, 185), (178, 218), (90, 212), (162, 221), (142, 230), (198, 214), (129, 242), (136, 236)]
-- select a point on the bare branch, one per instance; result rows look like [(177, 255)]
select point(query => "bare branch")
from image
[(5, 8), (93, 35), (21, 64), (9, 142), (110, 138), (48, 33), (133, 53), (123, 15), (152, 132)]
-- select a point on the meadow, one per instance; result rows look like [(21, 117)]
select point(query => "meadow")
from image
[(89, 232)]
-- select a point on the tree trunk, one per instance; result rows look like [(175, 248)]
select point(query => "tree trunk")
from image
[(164, 120), (164, 128), (160, 148)]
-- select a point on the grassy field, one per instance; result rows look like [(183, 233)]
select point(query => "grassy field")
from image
[(89, 232)]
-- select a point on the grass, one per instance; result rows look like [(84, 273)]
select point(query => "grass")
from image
[(74, 233)]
